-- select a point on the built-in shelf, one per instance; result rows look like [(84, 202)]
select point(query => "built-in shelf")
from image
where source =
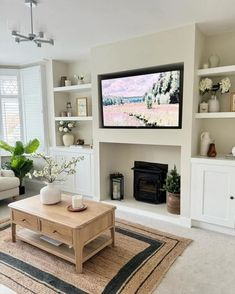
[(73, 118), (217, 71), (64, 251), (75, 88), (215, 115), (74, 148)]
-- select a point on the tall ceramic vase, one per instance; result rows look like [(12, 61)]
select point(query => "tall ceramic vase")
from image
[(213, 104), (50, 194), (68, 139)]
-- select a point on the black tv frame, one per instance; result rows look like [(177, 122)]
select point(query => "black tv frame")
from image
[(142, 71)]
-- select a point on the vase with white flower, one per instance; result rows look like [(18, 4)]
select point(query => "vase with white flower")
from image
[(52, 173), (66, 127), (206, 85)]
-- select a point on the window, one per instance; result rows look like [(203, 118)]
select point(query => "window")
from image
[(21, 105), (10, 126)]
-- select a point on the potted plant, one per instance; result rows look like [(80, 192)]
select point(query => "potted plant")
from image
[(66, 127), (51, 173), (19, 162), (172, 188)]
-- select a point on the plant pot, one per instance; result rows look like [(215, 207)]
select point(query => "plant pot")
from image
[(68, 139), (173, 203), (21, 190), (50, 194)]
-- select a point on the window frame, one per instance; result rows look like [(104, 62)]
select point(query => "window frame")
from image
[(12, 72)]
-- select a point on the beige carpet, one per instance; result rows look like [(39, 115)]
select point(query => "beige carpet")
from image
[(137, 264)]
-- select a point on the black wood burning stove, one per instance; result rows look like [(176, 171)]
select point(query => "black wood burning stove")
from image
[(149, 179)]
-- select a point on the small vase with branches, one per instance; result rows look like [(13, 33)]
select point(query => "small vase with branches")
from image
[(52, 173)]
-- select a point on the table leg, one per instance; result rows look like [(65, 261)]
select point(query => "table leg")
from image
[(78, 250), (13, 232), (78, 258), (113, 235)]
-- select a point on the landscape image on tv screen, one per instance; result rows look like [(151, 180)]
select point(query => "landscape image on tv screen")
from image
[(146, 100)]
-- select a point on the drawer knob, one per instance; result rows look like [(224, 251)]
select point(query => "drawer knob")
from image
[(54, 232), (23, 220), (231, 197)]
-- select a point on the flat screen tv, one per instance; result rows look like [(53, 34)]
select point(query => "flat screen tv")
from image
[(146, 98)]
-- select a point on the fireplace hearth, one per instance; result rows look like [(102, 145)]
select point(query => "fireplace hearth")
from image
[(149, 179)]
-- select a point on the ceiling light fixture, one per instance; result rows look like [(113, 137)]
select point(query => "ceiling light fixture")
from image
[(37, 39)]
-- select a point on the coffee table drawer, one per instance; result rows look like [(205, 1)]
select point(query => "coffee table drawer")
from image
[(25, 220), (56, 231)]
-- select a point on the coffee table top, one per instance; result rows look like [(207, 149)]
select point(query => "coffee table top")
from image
[(58, 213)]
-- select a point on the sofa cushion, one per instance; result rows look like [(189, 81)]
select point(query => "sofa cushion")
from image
[(7, 183), (7, 173)]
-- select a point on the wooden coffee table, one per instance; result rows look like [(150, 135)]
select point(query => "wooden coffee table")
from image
[(82, 233)]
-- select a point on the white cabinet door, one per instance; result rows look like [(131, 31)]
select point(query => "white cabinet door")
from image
[(83, 176), (212, 189), (82, 181), (69, 184)]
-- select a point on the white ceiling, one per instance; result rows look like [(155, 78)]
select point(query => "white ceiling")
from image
[(78, 25)]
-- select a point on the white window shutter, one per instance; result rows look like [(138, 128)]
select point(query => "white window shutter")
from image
[(10, 122), (32, 104)]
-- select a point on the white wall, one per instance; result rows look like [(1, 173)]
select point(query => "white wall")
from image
[(166, 47)]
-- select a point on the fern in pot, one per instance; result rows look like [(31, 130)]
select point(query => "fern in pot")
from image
[(172, 188)]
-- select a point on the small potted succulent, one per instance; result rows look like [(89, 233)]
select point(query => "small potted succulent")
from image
[(172, 187), (66, 127)]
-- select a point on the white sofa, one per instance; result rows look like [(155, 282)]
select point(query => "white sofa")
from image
[(9, 184)]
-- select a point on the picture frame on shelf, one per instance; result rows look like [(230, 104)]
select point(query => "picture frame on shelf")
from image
[(232, 101), (82, 106)]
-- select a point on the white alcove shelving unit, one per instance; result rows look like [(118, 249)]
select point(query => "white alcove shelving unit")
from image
[(62, 95), (212, 179), (219, 124), (216, 72), (82, 181)]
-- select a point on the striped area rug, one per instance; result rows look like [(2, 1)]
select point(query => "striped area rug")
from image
[(137, 264)]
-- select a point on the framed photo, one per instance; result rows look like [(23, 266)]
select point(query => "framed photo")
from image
[(82, 106), (232, 101)]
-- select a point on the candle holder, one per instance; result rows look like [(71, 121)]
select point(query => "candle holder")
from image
[(116, 186)]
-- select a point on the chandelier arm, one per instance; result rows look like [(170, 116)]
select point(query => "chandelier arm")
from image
[(24, 40), (44, 41), (20, 36)]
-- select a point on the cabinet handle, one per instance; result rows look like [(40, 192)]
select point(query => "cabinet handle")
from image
[(54, 232), (231, 197), (23, 220)]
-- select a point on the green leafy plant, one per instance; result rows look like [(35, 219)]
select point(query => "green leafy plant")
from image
[(19, 163), (172, 182)]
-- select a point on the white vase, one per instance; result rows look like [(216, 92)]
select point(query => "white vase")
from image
[(205, 143), (214, 60), (68, 139), (50, 194), (213, 104)]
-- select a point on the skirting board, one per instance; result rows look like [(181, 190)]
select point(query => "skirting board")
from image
[(180, 221), (215, 228)]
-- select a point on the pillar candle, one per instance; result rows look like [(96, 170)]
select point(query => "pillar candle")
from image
[(77, 201)]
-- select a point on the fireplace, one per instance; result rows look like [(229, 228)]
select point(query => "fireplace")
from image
[(149, 179)]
